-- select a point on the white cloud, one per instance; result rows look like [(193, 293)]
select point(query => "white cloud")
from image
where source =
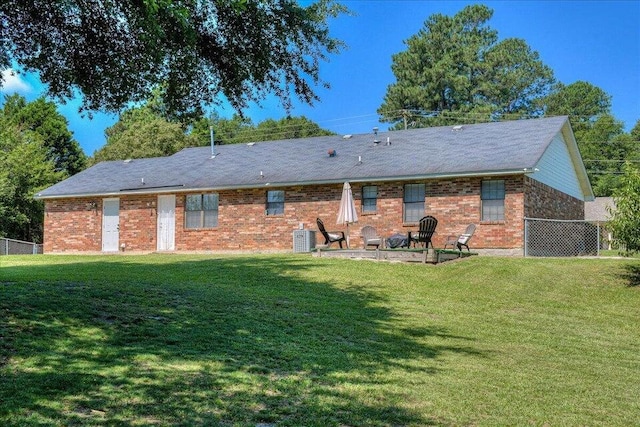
[(11, 82)]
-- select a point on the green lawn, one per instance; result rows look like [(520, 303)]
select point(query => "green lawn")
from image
[(292, 340)]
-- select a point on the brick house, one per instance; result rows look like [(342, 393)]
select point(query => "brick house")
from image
[(253, 196)]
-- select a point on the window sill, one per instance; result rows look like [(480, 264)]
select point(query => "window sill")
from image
[(199, 229), (502, 222)]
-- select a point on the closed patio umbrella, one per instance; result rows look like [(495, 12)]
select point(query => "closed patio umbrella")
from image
[(347, 213)]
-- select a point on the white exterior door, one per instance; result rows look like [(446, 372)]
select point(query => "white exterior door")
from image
[(110, 225), (166, 222)]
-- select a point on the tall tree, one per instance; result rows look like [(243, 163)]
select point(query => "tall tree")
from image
[(141, 133), (288, 128), (513, 79), (625, 222), (581, 101), (42, 117), (24, 170), (601, 138), (36, 151), (235, 130), (635, 133), (117, 52), (455, 66), (241, 129), (604, 147)]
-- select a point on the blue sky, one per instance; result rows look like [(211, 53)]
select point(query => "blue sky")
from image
[(593, 41)]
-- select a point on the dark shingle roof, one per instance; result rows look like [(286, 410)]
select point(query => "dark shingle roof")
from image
[(597, 210), (479, 149)]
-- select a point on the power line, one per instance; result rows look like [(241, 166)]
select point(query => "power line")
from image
[(491, 116), (375, 118), (611, 160)]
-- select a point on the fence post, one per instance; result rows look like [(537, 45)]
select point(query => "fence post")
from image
[(598, 226), (526, 235)]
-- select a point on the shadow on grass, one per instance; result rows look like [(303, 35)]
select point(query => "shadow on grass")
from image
[(231, 341), (632, 275)]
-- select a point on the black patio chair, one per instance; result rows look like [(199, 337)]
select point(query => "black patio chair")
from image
[(425, 232), (331, 237)]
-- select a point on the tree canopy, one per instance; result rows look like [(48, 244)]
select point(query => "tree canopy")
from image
[(36, 151), (581, 101), (456, 66), (603, 144), (605, 147), (42, 117), (456, 70), (117, 52), (239, 129), (142, 132), (625, 222)]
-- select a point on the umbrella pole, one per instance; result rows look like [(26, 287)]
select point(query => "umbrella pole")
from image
[(347, 235)]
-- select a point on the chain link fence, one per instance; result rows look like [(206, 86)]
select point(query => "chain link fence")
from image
[(18, 247), (561, 238)]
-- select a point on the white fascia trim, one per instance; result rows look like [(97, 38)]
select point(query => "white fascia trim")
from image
[(178, 189)]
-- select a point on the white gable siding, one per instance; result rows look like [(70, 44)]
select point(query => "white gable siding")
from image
[(556, 169)]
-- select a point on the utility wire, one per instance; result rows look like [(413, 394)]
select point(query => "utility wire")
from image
[(374, 119)]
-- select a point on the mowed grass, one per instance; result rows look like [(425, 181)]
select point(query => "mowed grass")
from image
[(292, 340)]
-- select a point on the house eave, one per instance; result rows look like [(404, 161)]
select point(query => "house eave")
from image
[(124, 192), (576, 157), (181, 188)]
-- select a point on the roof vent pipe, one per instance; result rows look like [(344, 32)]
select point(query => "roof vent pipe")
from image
[(213, 150)]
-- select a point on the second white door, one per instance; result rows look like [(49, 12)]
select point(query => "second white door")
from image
[(166, 223)]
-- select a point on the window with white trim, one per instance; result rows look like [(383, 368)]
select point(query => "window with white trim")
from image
[(201, 211)]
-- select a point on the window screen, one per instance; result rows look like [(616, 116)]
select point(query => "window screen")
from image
[(275, 202), (492, 195), (369, 198), (201, 211), (413, 202)]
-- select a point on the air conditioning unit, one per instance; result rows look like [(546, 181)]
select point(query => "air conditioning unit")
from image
[(304, 240)]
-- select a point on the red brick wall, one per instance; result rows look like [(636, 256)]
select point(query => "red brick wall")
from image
[(74, 225), (456, 203), (138, 222), (545, 202)]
